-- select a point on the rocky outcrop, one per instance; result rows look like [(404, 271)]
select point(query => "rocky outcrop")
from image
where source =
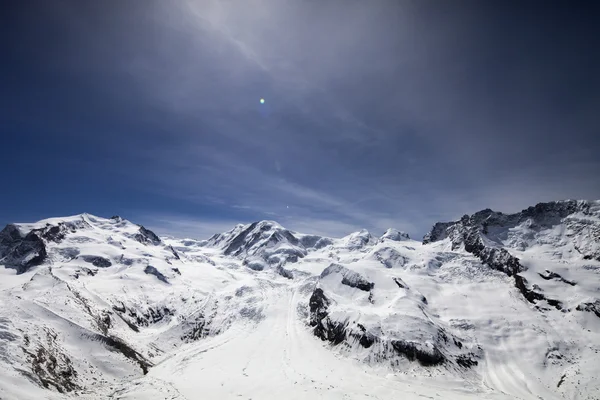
[(137, 319), (315, 241), (413, 351), (286, 273), (57, 233), (150, 270), (549, 275), (50, 366), (470, 232), (425, 343), (146, 236), (97, 261), (593, 307), (324, 328), (337, 332), (349, 278), (21, 252), (121, 346)]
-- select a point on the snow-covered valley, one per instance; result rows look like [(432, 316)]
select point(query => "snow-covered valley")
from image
[(493, 306)]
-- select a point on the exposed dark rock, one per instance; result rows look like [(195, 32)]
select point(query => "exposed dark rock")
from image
[(9, 235), (284, 272), (497, 258), (284, 255), (465, 361), (21, 253), (199, 326), (468, 232), (238, 241), (426, 357), (136, 319), (318, 305), (146, 236), (337, 332), (175, 254), (119, 345), (97, 261), (590, 307), (120, 309), (400, 283), (287, 235), (176, 270), (364, 338), (360, 283), (130, 324), (69, 253), (542, 215), (315, 241), (324, 328), (103, 322), (255, 264), (150, 270), (51, 367), (553, 275), (53, 233), (562, 379), (196, 329), (533, 296), (349, 278), (438, 232)]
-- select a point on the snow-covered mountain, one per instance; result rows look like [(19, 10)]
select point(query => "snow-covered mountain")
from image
[(492, 306)]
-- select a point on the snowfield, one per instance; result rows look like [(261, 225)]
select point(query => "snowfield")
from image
[(493, 306)]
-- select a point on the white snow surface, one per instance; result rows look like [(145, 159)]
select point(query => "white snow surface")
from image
[(188, 319)]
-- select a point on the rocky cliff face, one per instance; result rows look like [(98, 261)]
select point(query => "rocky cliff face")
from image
[(491, 236), (21, 251), (579, 221)]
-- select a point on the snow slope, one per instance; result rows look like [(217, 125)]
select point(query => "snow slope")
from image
[(492, 306)]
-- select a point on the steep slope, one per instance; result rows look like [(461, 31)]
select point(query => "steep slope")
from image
[(491, 306), (533, 246)]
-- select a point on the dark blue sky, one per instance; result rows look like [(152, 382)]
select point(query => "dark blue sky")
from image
[(377, 113)]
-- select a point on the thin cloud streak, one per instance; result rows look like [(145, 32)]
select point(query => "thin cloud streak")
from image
[(377, 114)]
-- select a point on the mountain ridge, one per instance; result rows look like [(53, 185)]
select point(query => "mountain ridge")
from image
[(97, 303)]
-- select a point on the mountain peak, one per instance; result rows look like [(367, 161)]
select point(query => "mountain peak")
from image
[(395, 235)]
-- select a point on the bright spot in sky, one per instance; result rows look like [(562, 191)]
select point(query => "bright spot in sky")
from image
[(262, 101)]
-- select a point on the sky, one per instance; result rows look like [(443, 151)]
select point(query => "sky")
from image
[(376, 113)]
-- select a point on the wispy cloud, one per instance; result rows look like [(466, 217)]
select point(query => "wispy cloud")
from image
[(185, 226), (377, 114)]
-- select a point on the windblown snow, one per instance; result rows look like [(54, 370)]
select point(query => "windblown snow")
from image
[(492, 306)]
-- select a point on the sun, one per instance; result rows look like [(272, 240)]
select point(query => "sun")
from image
[(262, 101)]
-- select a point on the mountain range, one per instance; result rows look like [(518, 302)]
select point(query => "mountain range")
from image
[(491, 306)]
